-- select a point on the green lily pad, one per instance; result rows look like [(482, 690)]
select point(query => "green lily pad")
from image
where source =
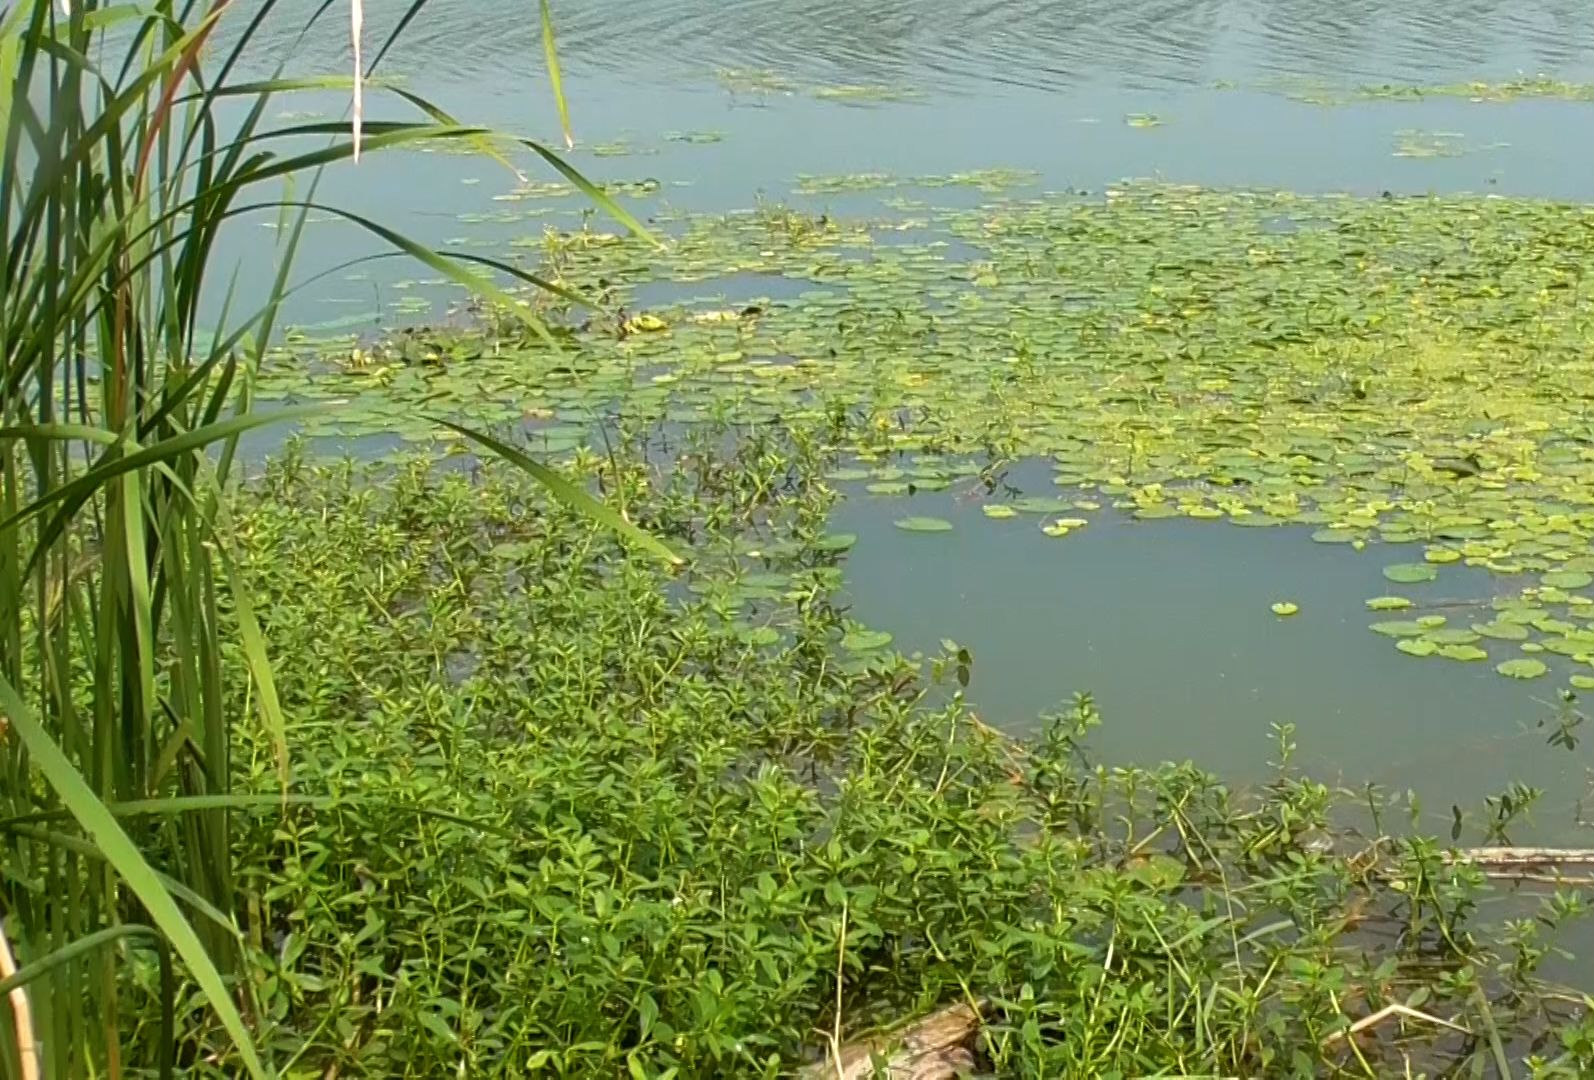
[(1398, 629), (1582, 682), (1442, 555), (1502, 631), (1464, 653), (1416, 647), (865, 640), (1285, 608), (998, 511), (835, 542), (1522, 669), (1388, 603), (1040, 504), (1432, 622), (1567, 579), (924, 524), (1453, 636), (887, 487), (1410, 573)]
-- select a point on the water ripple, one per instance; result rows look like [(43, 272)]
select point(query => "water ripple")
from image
[(960, 45)]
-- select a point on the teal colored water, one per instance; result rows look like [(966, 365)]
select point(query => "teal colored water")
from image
[(1169, 626), (915, 87)]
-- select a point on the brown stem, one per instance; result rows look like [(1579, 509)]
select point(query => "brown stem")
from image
[(21, 1015)]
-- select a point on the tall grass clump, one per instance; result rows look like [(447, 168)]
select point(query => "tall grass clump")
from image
[(130, 144)]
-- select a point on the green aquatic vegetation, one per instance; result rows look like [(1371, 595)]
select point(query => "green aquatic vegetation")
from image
[(694, 138), (133, 139), (1364, 372), (754, 81), (867, 93), (1398, 628), (1143, 120), (865, 640), (1041, 504), (1522, 668), (1501, 630), (1438, 144), (562, 815), (1285, 608), (1525, 88), (1538, 86), (1452, 636), (1388, 603), (987, 180), (924, 524), (768, 83), (1568, 579), (617, 148), (1410, 573)]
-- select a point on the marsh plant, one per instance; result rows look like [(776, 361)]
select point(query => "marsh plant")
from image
[(577, 813), (130, 143)]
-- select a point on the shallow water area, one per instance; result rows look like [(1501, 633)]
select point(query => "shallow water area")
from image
[(1169, 626)]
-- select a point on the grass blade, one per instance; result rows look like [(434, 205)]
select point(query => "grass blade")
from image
[(550, 52), (570, 494), (123, 854)]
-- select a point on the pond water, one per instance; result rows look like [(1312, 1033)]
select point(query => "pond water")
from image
[(723, 104), (1169, 626), (720, 105)]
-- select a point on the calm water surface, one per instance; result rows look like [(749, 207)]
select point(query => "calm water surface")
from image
[(1167, 624)]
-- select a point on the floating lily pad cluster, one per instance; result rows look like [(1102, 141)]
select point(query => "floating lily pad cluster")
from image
[(1411, 371), (1544, 620)]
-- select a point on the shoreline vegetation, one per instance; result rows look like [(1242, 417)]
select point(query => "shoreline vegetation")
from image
[(549, 744), (577, 825)]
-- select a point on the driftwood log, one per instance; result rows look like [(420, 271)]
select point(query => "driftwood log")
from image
[(1538, 857), (938, 1047)]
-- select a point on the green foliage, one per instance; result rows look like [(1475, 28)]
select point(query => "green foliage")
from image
[(123, 161), (1402, 373), (574, 818)]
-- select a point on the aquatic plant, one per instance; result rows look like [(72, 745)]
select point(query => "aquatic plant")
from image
[(129, 144), (577, 814), (1404, 376)]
